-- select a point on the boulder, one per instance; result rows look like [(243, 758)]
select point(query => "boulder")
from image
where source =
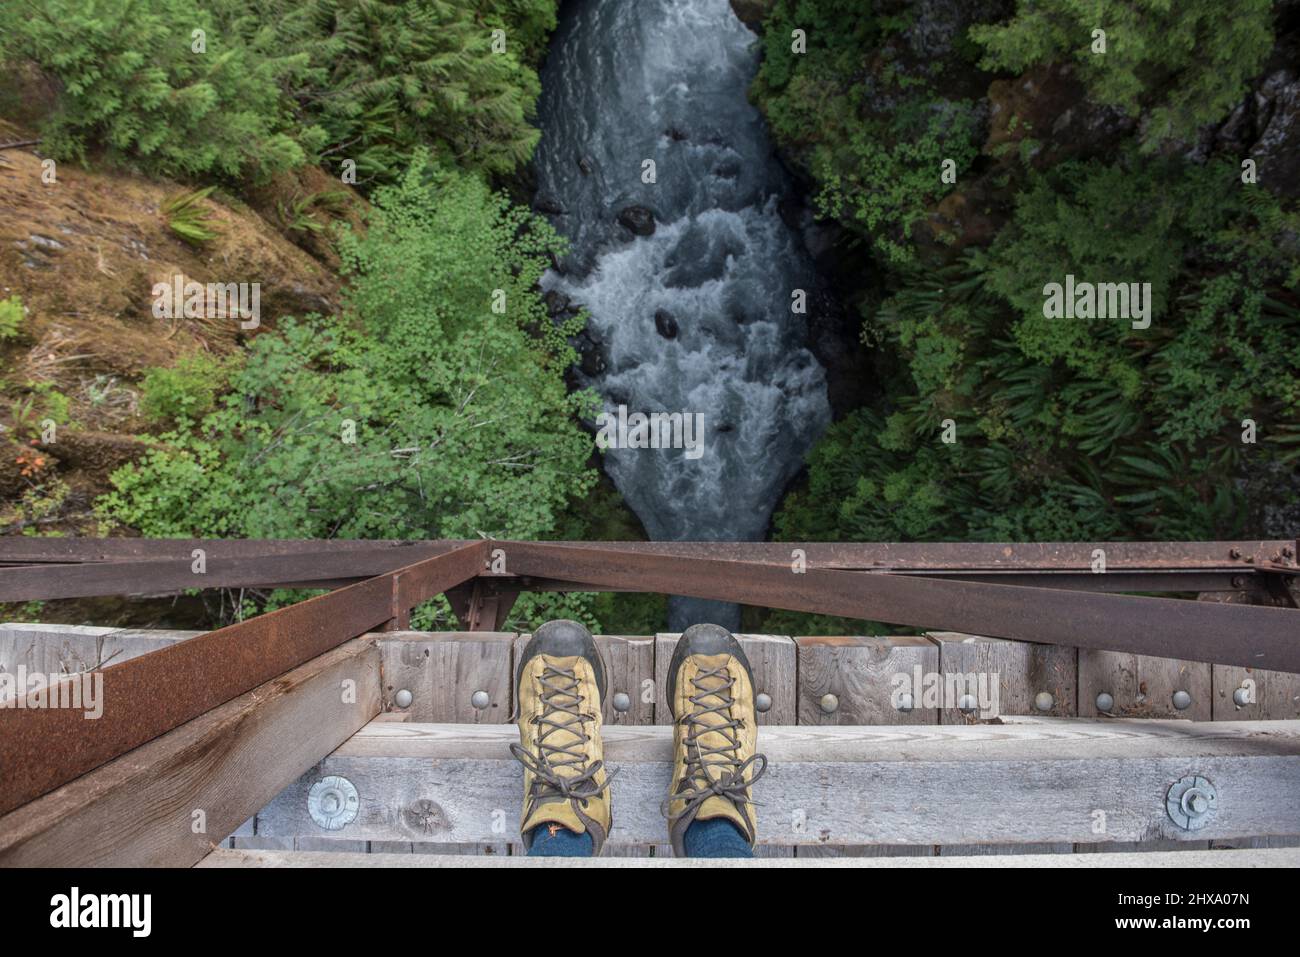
[(665, 324), (752, 13), (638, 220), (1277, 151), (557, 303), (548, 205)]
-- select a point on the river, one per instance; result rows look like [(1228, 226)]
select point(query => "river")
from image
[(699, 316)]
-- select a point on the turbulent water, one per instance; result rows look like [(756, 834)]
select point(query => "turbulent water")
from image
[(665, 80)]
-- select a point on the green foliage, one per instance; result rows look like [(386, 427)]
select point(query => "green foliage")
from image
[(387, 75), (1183, 64), (186, 391), (131, 84), (285, 82), (1077, 430), (418, 414), (876, 148), (188, 218), (296, 215), (11, 318)]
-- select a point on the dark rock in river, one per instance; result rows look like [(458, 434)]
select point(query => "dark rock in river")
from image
[(548, 205), (638, 220), (665, 324), (752, 13), (591, 352), (557, 304)]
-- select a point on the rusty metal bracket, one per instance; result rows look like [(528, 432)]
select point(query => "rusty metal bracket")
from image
[(42, 747)]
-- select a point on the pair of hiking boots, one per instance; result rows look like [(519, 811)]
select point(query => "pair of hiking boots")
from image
[(561, 687)]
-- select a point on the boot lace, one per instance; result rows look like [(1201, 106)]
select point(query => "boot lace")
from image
[(560, 770), (699, 783)]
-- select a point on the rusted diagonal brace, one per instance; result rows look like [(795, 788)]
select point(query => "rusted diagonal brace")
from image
[(1246, 635), (144, 697)]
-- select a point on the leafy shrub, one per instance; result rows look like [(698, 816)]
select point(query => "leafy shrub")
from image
[(419, 414), (285, 82), (385, 76), (1184, 63), (1074, 429), (186, 391), (11, 318), (132, 85), (875, 148), (189, 219)]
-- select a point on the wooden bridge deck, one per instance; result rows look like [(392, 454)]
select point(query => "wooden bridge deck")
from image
[(931, 782)]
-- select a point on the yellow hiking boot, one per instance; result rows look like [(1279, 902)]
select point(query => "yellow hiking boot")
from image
[(715, 734), (560, 684)]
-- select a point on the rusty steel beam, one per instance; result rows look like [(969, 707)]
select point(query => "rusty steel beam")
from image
[(42, 748), (79, 568), (1255, 637), (221, 569), (1239, 556), (22, 550), (1171, 581), (1228, 556)]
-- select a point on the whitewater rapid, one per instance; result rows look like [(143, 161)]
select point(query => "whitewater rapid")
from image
[(665, 81)]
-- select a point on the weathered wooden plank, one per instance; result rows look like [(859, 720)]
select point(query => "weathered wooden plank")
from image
[(1141, 686), (1231, 843), (1277, 857), (865, 850), (1017, 677), (1251, 694), (1029, 782), (630, 672), (861, 674), (772, 658), (1002, 850), (452, 677), (167, 801), (1128, 847), (67, 649)]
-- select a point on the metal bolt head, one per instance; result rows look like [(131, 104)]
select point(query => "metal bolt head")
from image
[(763, 701), (1182, 700), (1241, 697), (622, 702), (1105, 702), (480, 699), (829, 703), (403, 698), (1044, 701), (1191, 802), (333, 802), (905, 702), (967, 703)]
